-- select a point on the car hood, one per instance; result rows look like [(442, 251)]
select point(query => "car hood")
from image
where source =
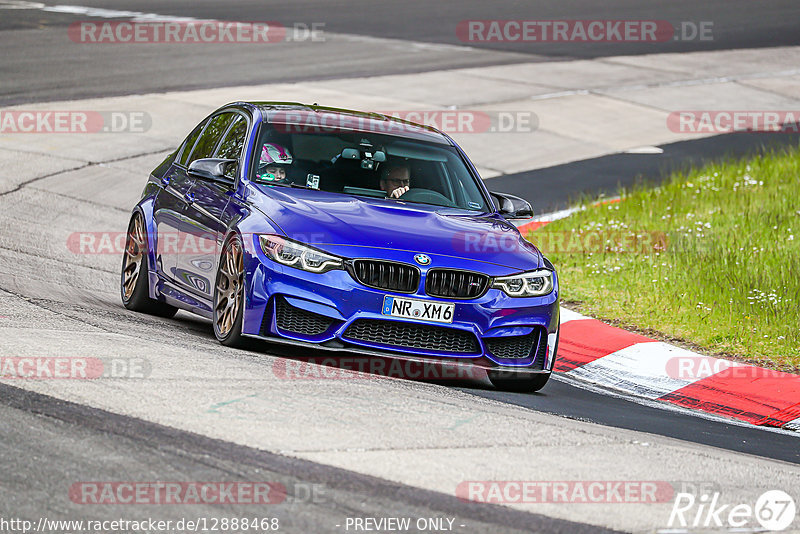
[(332, 222)]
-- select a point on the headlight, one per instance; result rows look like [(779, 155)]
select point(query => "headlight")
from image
[(298, 255), (532, 284)]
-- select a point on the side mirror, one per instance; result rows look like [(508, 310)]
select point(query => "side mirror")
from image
[(512, 207), (213, 170)]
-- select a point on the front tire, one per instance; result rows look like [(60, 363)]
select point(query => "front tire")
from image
[(229, 295), (521, 383), (134, 280)]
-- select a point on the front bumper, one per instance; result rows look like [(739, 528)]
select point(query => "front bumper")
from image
[(336, 297)]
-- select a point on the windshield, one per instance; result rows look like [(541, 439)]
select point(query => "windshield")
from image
[(367, 165)]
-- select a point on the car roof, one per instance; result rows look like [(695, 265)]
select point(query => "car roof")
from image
[(313, 118)]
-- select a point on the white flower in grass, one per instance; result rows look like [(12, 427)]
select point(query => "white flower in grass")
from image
[(763, 298), (747, 181)]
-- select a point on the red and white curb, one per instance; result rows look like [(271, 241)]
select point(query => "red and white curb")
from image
[(592, 351)]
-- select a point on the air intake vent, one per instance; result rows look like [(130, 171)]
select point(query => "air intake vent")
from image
[(411, 335), (541, 353), (512, 347), (291, 319), (533, 346)]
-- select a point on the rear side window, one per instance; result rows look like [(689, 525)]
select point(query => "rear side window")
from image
[(186, 149), (231, 147), (210, 137)]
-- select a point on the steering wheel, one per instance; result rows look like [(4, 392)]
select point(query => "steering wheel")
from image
[(427, 196)]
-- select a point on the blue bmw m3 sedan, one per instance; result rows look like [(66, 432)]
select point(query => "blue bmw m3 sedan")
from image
[(343, 231)]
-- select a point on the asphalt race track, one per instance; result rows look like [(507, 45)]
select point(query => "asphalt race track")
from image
[(553, 188), (371, 447), (366, 38)]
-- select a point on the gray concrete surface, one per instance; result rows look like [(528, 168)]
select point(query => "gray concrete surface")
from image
[(364, 38)]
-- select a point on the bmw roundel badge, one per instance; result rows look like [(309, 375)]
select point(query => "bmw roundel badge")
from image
[(422, 259)]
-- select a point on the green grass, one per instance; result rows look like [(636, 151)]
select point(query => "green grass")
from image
[(727, 279)]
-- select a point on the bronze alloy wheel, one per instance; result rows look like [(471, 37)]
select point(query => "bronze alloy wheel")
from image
[(134, 286), (134, 257), (229, 288)]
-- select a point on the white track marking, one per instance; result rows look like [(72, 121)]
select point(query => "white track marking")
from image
[(640, 369), (569, 315), (645, 150), (793, 425)]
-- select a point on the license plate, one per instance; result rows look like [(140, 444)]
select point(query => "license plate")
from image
[(422, 310)]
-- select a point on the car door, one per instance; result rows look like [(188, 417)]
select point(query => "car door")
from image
[(203, 228), (169, 206)]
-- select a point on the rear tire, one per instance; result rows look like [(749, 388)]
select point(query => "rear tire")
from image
[(522, 383), (229, 295), (134, 279)]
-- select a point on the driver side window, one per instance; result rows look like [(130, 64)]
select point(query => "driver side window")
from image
[(232, 144)]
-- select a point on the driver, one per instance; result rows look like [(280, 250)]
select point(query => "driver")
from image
[(396, 180), (275, 159)]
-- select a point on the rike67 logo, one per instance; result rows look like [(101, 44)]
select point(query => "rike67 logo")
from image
[(774, 510)]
